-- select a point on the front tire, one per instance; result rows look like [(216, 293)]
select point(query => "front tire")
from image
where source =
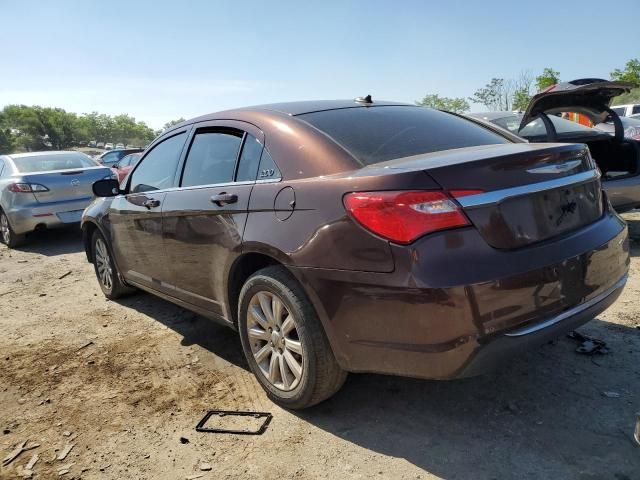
[(7, 235), (284, 342), (106, 270)]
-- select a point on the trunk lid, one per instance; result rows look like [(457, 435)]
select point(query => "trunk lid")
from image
[(529, 192), (65, 185), (589, 96)]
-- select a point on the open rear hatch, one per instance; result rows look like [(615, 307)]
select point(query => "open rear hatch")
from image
[(519, 194), (589, 96)]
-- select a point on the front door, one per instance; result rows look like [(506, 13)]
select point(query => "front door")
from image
[(204, 219), (136, 217)]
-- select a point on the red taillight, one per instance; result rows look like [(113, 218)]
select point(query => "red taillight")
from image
[(404, 216), (27, 188)]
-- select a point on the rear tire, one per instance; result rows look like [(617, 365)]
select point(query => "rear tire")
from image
[(107, 273), (284, 341), (7, 235)]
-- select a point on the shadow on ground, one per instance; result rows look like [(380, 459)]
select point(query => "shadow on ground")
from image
[(548, 404), (54, 242)]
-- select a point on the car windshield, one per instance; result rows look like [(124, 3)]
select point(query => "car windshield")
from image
[(57, 161), (377, 134), (536, 127)]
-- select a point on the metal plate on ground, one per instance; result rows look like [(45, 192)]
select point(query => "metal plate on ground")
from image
[(238, 423)]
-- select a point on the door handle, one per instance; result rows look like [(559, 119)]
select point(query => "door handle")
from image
[(224, 198), (151, 203)]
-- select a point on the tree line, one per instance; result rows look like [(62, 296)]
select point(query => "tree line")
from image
[(32, 128), (514, 94)]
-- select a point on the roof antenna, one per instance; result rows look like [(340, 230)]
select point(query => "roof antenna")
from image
[(366, 99)]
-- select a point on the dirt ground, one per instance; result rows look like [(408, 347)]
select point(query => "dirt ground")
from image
[(124, 382)]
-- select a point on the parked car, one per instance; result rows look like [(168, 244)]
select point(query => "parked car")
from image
[(111, 157), (630, 125), (41, 190), (120, 145), (92, 144), (100, 145), (362, 236), (108, 146), (124, 166), (617, 157), (627, 110)]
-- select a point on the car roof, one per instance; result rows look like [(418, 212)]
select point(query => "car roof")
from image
[(493, 115), (291, 109)]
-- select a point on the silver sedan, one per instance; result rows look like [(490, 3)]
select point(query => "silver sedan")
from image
[(41, 190)]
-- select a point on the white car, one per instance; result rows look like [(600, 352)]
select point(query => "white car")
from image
[(120, 145), (108, 146), (626, 110)]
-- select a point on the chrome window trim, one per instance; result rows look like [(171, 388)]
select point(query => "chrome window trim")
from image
[(198, 187), (497, 196), (573, 311)]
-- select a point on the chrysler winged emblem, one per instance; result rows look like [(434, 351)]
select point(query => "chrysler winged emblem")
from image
[(557, 167)]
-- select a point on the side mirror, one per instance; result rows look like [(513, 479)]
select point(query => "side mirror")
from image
[(106, 188), (116, 166)]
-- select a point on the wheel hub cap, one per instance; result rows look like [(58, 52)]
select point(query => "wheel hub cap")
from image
[(273, 335)]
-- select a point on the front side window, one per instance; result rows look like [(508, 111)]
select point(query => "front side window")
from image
[(212, 159), (158, 168), (636, 109), (377, 134)]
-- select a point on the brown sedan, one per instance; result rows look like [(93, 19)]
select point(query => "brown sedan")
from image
[(353, 236)]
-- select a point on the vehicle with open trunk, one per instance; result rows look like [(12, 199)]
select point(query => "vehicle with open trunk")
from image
[(361, 236), (616, 154)]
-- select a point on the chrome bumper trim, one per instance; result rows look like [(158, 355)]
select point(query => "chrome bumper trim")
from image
[(497, 196)]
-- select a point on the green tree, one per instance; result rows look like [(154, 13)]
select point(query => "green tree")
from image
[(456, 105), (495, 95), (172, 123), (7, 138), (548, 77), (630, 73)]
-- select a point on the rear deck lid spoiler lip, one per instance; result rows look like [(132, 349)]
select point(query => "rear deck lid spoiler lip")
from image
[(497, 196), (65, 171), (589, 94)]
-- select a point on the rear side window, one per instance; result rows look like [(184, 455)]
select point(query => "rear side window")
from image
[(377, 134), (249, 159), (636, 109), (53, 161), (268, 168), (212, 159), (158, 168), (620, 111)]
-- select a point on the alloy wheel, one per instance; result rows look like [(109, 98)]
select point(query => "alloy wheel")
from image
[(4, 228), (103, 265), (275, 344)]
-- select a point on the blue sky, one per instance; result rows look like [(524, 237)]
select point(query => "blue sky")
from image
[(161, 60)]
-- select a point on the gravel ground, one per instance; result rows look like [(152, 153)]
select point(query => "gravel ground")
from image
[(126, 382)]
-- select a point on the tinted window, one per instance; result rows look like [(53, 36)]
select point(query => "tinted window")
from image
[(268, 168), (249, 159), (620, 111), (53, 161), (111, 158), (212, 159), (636, 109), (159, 166), (376, 134), (537, 128)]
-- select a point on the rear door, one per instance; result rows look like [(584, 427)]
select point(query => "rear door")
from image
[(204, 219), (136, 217)]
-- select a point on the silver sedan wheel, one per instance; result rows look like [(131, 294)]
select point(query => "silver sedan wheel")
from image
[(103, 264), (275, 344), (4, 228)]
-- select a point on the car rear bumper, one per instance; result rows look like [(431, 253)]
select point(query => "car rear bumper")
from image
[(624, 193), (452, 306), (27, 218)]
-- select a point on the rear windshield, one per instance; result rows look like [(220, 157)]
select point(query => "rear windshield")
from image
[(377, 134), (58, 161)]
